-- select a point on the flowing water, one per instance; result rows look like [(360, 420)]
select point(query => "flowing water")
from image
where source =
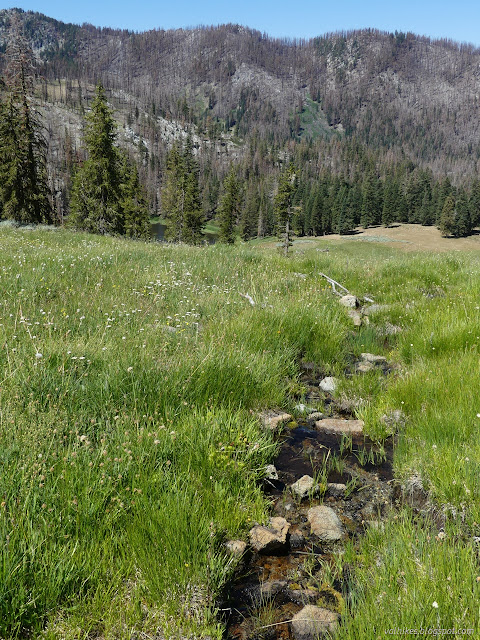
[(268, 590)]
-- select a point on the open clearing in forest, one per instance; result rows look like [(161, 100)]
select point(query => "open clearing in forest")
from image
[(404, 237)]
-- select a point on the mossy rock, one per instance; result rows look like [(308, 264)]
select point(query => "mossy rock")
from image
[(331, 599)]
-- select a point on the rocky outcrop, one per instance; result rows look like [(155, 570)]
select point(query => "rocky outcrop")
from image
[(370, 357), (273, 420), (336, 489), (236, 547), (349, 301), (304, 487), (328, 384), (271, 472)]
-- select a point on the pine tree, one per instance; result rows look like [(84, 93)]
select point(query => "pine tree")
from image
[(228, 208), (346, 222), (369, 200), (343, 211), (390, 202), (414, 197), (426, 211), (251, 217), (106, 193), (445, 189), (24, 192), (474, 203), (283, 205), (181, 203), (136, 217), (447, 218), (96, 195), (316, 214), (194, 216), (173, 198), (463, 223)]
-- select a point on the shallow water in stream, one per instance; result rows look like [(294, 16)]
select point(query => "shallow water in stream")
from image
[(268, 590)]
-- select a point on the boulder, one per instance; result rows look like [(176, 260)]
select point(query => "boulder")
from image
[(273, 421), (328, 384), (373, 359), (336, 489), (272, 539), (271, 472), (304, 487), (325, 523), (349, 301), (312, 622), (316, 415), (297, 539), (302, 596), (236, 547), (364, 367), (357, 317), (339, 426)]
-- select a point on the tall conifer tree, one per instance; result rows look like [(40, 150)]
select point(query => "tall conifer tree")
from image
[(106, 194), (447, 218), (96, 198), (181, 203), (24, 191)]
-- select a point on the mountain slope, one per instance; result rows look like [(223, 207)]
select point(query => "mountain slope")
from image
[(398, 92)]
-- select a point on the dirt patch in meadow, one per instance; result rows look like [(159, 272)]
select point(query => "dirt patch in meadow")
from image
[(405, 237), (413, 237)]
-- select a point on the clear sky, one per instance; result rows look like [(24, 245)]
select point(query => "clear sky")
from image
[(455, 19)]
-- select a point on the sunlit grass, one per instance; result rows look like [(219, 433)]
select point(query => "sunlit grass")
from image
[(131, 377)]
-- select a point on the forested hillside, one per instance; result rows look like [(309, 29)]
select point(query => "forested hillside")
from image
[(379, 123)]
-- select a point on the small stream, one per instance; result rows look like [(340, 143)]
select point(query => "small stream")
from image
[(356, 478)]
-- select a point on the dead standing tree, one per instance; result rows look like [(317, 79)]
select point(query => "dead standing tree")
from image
[(283, 209)]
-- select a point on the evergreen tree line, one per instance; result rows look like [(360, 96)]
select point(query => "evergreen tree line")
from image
[(24, 192), (332, 204)]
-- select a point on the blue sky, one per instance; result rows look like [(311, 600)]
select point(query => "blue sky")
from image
[(459, 20)]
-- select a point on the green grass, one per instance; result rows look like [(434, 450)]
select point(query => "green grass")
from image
[(131, 377), (211, 228), (157, 219), (313, 121)]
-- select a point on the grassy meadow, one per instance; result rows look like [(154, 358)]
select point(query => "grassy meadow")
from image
[(131, 379)]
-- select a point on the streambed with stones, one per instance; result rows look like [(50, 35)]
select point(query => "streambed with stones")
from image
[(327, 485)]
